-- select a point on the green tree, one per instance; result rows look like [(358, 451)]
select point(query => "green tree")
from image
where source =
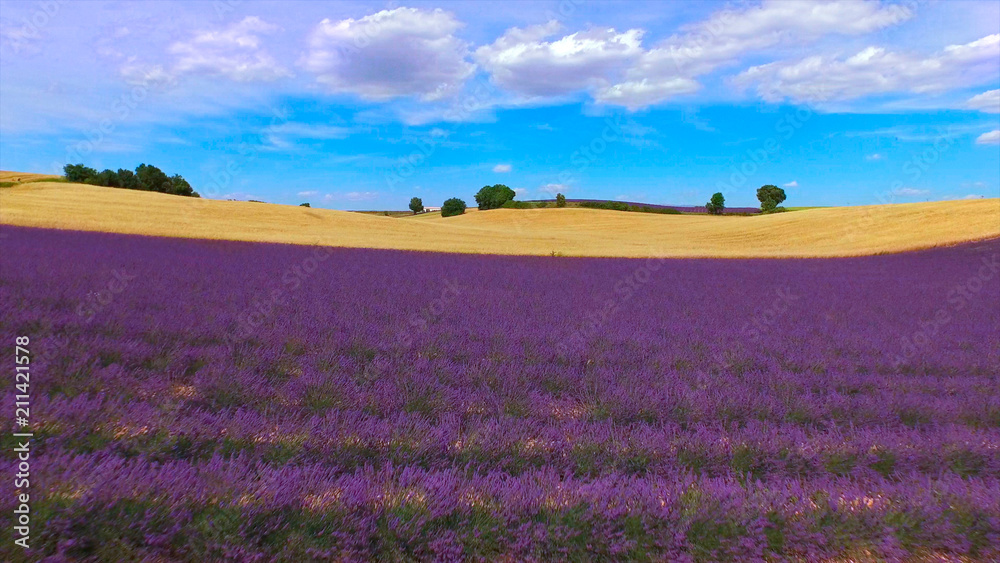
[(716, 204), (180, 186), (416, 205), (78, 172), (493, 197), (304, 205), (127, 179), (152, 179), (560, 200), (770, 197), (453, 206)]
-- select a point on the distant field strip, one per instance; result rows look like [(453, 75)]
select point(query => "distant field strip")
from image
[(821, 232)]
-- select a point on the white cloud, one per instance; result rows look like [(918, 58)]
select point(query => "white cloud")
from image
[(792, 184), (139, 74), (523, 61), (909, 192), (308, 194), (635, 94), (988, 101), (284, 135), (307, 131), (501, 168), (554, 189), (875, 156), (234, 53), (351, 196), (991, 138), (670, 68), (361, 196), (520, 191), (392, 53), (875, 70)]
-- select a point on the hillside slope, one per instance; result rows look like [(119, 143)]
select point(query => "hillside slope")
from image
[(837, 231)]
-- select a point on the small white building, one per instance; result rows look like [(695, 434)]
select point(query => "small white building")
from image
[(431, 209)]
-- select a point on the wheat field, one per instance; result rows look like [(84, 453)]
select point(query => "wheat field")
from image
[(821, 232)]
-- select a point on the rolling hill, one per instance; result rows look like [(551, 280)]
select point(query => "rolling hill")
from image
[(821, 232)]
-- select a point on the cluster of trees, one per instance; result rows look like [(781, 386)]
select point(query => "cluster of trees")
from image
[(146, 177)]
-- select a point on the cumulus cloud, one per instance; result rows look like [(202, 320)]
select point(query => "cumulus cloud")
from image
[(234, 52), (670, 68), (501, 168), (991, 138), (526, 62), (389, 54), (910, 192), (988, 101), (792, 184), (874, 70), (308, 194)]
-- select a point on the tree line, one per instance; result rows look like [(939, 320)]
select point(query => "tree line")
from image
[(146, 177), (499, 195)]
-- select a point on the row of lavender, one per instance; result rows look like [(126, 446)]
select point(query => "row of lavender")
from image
[(207, 400)]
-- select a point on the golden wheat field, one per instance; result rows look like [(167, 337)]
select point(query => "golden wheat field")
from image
[(824, 232)]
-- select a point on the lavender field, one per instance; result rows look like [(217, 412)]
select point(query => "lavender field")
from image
[(196, 401)]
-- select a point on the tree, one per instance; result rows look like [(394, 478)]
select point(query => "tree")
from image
[(770, 197), (127, 179), (717, 204), (453, 206), (180, 186), (416, 205), (304, 205), (493, 197), (152, 179), (78, 172), (560, 200)]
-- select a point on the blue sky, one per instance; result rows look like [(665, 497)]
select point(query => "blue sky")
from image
[(362, 105)]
